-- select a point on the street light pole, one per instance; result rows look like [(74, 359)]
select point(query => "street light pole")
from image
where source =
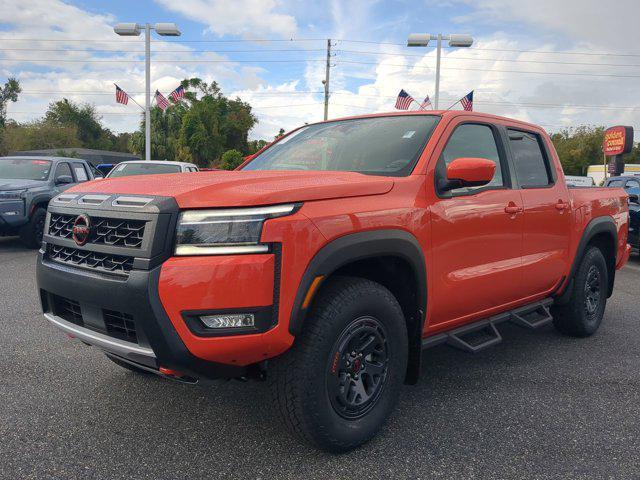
[(422, 40), (438, 53), (147, 92), (133, 30)]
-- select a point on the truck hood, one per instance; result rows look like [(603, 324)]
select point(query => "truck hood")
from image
[(8, 184), (243, 188)]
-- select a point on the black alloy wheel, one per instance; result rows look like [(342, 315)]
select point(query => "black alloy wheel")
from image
[(357, 368)]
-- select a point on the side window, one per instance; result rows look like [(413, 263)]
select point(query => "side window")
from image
[(63, 168), (531, 165), (81, 173), (472, 140), (632, 184), (614, 183)]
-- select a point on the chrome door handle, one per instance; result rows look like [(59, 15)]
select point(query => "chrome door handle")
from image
[(512, 209)]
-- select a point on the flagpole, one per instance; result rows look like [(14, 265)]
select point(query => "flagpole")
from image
[(453, 105)]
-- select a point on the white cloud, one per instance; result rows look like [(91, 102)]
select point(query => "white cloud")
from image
[(247, 18)]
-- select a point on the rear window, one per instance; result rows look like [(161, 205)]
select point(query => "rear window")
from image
[(529, 158), (127, 169), (24, 169)]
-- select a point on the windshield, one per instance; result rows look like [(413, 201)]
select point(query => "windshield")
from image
[(126, 169), (24, 169), (378, 146)]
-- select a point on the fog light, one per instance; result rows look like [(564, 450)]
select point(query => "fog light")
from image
[(234, 320)]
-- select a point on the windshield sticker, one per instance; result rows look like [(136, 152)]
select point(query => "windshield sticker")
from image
[(409, 134)]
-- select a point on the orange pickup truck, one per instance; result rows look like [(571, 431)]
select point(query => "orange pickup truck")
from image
[(330, 260)]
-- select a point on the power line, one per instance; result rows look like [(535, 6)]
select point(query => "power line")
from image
[(141, 52), (495, 70), (50, 60), (498, 59)]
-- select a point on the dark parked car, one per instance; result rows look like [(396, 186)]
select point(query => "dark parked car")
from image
[(626, 181), (26, 186), (634, 224)]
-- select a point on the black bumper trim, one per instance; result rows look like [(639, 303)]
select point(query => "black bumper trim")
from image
[(139, 297)]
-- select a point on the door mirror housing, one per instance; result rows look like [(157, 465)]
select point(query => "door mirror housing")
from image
[(64, 180), (468, 172), (634, 198)]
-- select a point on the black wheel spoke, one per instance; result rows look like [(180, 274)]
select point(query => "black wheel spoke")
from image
[(355, 383)]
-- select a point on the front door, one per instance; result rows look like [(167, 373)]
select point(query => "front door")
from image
[(476, 234)]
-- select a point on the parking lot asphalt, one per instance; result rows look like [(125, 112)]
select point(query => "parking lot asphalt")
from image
[(539, 405)]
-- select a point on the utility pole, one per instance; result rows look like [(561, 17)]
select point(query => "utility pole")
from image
[(326, 80)]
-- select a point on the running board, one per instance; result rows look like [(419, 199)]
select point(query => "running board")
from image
[(482, 334)]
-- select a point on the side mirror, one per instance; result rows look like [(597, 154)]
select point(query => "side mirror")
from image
[(468, 172), (64, 180), (634, 198)]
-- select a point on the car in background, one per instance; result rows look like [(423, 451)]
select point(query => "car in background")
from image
[(634, 220), (105, 168), (576, 181), (150, 167), (624, 181), (26, 186)]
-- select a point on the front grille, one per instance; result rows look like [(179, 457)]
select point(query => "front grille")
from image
[(67, 309), (82, 258), (120, 325), (104, 231)]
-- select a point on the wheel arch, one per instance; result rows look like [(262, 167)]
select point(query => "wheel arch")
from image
[(602, 233), (379, 255)]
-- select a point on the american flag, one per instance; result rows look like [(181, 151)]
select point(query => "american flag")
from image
[(121, 96), (467, 101), (161, 101), (404, 100), (177, 94), (425, 103)]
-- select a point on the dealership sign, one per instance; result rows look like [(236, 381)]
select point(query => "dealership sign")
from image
[(617, 141)]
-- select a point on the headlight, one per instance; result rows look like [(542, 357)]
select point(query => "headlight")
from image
[(225, 231), (12, 195)]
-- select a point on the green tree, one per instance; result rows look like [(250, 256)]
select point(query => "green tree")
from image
[(578, 148), (231, 159), (8, 93), (38, 135), (66, 113)]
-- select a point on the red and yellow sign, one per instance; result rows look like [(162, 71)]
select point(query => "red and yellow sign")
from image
[(617, 140)]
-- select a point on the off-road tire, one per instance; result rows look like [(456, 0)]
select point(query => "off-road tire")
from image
[(303, 382), (579, 317), (31, 233), (128, 366)]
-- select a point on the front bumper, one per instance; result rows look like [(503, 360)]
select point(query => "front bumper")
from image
[(157, 343), (12, 215)]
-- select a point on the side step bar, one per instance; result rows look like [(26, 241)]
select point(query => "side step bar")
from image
[(482, 334)]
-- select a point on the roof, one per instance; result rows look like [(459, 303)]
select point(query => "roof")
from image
[(441, 113), (161, 162), (44, 157), (94, 157)]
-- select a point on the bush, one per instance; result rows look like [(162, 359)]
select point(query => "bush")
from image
[(231, 159)]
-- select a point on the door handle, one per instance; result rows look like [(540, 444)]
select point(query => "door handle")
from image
[(561, 205), (512, 209)]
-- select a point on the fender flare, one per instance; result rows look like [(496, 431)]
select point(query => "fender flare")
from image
[(594, 227), (39, 198), (359, 246)]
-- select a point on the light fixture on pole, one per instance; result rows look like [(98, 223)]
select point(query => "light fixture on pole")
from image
[(455, 40), (134, 30)]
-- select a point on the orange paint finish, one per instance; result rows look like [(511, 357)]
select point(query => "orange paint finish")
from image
[(212, 283)]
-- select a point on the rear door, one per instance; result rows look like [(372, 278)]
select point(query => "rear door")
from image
[(547, 212), (476, 232)]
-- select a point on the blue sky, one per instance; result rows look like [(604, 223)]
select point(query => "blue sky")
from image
[(555, 63)]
